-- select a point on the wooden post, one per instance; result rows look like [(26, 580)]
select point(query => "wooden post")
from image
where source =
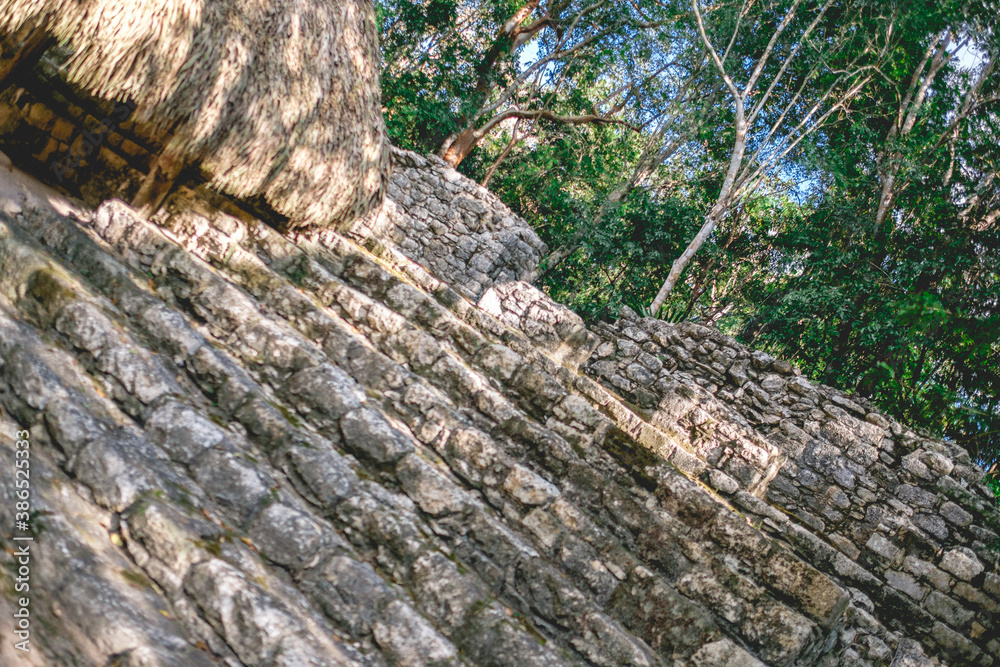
[(163, 171)]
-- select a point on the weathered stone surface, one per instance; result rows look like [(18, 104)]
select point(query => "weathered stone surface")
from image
[(905, 583), (528, 487), (320, 455), (429, 201), (368, 434), (409, 640), (955, 514), (832, 464), (961, 562)]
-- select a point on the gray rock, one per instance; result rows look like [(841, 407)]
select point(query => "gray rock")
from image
[(910, 654), (932, 524), (500, 361), (922, 568), (326, 388), (955, 514), (905, 583), (289, 536), (113, 467), (528, 487), (916, 496), (723, 653), (409, 640), (350, 593), (324, 474), (772, 383), (368, 434), (640, 374), (256, 625), (947, 609), (183, 432), (961, 562), (883, 547), (431, 490), (232, 480)]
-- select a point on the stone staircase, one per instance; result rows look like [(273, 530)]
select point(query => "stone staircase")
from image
[(261, 450)]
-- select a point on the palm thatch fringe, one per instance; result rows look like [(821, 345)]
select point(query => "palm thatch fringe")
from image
[(278, 98)]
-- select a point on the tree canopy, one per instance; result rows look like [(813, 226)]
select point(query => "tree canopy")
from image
[(815, 177)]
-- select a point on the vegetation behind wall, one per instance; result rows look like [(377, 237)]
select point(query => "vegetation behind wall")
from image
[(863, 241)]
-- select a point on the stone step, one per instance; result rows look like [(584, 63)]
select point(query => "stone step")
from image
[(105, 596), (360, 310), (419, 471), (255, 614), (218, 306), (255, 500), (433, 459), (872, 504)]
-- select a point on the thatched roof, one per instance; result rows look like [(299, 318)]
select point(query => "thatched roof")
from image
[(273, 97)]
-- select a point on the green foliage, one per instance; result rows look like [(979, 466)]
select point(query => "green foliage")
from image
[(422, 88), (906, 313), (451, 66)]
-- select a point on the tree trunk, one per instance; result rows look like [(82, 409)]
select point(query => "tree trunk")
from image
[(509, 31), (722, 204), (725, 198), (908, 112), (458, 149), (458, 146), (677, 268)]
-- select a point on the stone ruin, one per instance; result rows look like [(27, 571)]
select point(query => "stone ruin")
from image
[(385, 449)]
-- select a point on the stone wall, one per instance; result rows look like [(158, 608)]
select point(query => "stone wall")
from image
[(385, 449), (549, 325), (458, 230), (903, 519)]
